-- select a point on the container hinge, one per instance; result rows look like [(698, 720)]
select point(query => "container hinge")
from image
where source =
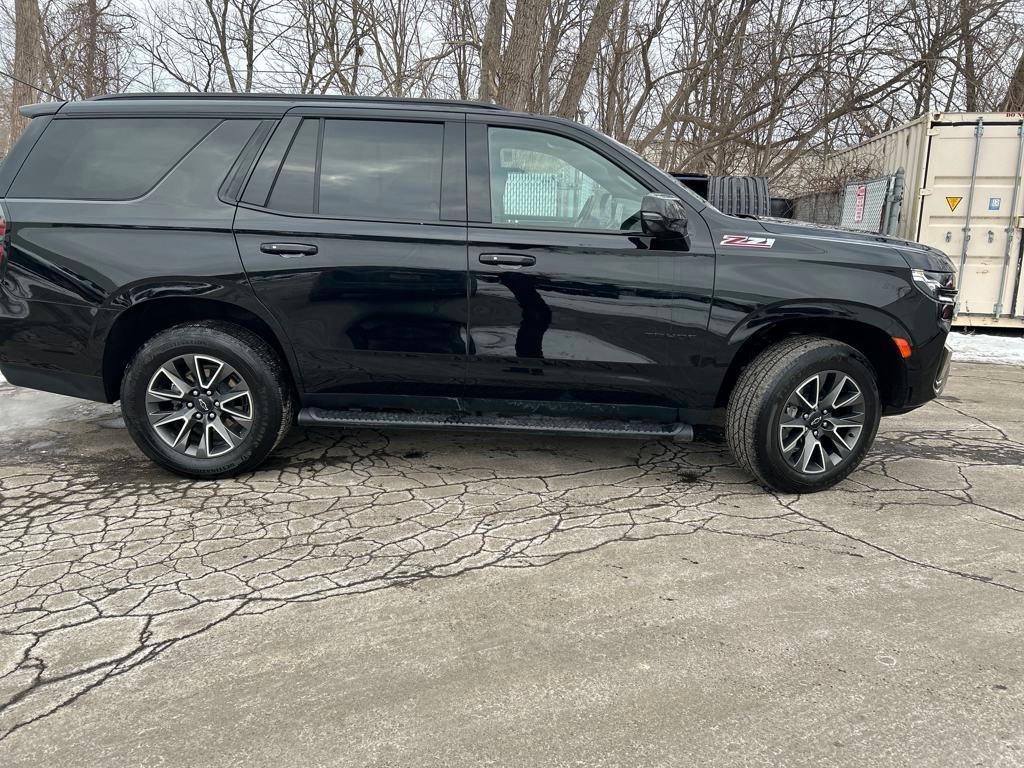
[(924, 192)]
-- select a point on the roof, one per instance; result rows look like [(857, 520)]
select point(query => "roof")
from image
[(254, 104), (296, 98)]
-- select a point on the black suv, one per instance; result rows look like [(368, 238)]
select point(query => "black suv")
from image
[(224, 264)]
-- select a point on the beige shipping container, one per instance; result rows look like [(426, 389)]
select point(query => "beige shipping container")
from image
[(962, 194)]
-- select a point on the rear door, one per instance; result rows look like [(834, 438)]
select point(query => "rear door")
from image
[(571, 301), (357, 244)]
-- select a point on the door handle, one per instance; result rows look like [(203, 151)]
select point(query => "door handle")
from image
[(507, 259), (289, 249)]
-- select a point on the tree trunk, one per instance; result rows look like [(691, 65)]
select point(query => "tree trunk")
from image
[(1014, 99), (27, 66), (89, 79), (970, 73), (583, 64), (490, 50), (520, 57)]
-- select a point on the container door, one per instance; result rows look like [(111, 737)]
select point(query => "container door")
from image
[(971, 214)]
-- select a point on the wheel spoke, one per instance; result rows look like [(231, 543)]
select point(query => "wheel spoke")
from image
[(789, 445), (842, 446), (224, 373), (235, 408), (173, 437), (811, 446), (218, 426), (848, 422), (201, 366), (810, 392), (203, 449), (166, 371), (833, 394), (181, 439), (162, 419)]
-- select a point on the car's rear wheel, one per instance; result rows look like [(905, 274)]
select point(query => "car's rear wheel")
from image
[(803, 414), (206, 399)]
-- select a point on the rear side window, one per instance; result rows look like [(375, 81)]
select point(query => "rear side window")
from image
[(377, 169), (368, 169), (106, 159)]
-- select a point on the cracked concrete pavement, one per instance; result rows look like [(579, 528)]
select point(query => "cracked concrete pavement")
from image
[(426, 599)]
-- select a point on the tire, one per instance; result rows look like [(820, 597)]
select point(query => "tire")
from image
[(239, 432), (767, 409)]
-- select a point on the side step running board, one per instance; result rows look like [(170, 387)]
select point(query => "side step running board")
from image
[(552, 425)]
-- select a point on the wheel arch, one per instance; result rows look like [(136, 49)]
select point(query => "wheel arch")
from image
[(871, 333), (133, 326)]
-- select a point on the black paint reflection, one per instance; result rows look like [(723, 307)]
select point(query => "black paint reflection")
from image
[(536, 314)]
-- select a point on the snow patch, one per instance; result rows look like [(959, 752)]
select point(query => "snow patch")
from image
[(987, 348)]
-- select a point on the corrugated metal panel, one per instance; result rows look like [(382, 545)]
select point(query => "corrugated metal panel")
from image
[(963, 195), (739, 195), (905, 147), (971, 212)]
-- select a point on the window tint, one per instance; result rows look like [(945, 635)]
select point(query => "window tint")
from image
[(542, 180), (106, 159), (294, 189), (372, 169)]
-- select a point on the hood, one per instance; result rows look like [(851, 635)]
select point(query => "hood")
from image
[(917, 255)]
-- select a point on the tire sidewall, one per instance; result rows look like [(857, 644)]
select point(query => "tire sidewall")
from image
[(263, 388), (769, 454)]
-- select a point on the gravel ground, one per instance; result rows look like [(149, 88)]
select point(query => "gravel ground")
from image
[(424, 599)]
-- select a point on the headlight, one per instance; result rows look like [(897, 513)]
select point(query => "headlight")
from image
[(938, 286)]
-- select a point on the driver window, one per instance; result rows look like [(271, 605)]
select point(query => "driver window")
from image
[(543, 180)]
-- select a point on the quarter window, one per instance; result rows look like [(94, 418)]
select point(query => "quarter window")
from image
[(117, 158), (543, 180)]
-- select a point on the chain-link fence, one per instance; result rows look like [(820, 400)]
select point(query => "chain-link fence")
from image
[(819, 208), (865, 204), (552, 195), (872, 205)]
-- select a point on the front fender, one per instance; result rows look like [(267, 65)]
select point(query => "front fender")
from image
[(807, 312)]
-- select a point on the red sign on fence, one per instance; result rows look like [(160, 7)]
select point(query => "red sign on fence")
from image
[(858, 208)]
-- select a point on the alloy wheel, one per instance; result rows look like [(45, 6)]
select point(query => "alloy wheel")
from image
[(822, 422), (199, 405)]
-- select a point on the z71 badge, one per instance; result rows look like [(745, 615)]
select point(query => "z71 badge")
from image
[(742, 241)]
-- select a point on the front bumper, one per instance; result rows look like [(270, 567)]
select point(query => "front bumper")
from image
[(925, 381)]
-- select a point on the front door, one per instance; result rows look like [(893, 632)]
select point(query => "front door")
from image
[(571, 301), (356, 242)]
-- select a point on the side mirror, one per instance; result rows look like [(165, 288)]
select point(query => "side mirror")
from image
[(663, 217)]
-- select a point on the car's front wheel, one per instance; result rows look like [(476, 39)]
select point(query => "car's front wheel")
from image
[(206, 399), (803, 414)]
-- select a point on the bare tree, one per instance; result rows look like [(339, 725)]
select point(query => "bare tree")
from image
[(27, 64), (721, 86), (1013, 101)]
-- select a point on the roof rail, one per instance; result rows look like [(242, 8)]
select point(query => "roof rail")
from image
[(299, 97)]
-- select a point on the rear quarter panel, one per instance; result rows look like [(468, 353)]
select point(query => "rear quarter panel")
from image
[(75, 265)]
